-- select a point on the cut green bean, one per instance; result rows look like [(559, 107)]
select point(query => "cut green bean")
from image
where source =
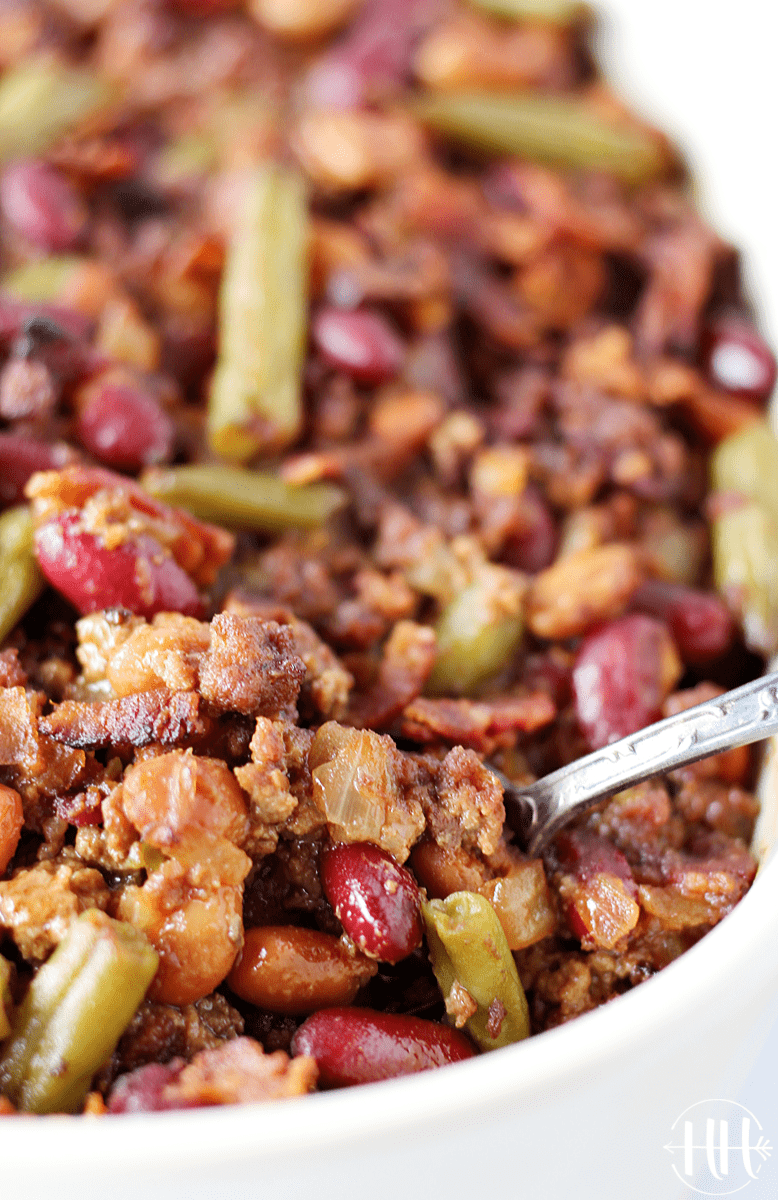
[(76, 1009), (42, 281), (744, 543), (243, 499), (550, 12), (41, 99), (6, 1004), (747, 462), (21, 581), (468, 947), (744, 539), (560, 130), (255, 403), (477, 634)]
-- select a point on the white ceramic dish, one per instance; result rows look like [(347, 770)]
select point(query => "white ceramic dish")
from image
[(587, 1109)]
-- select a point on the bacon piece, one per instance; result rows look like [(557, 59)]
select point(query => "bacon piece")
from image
[(167, 718), (480, 724), (408, 659)]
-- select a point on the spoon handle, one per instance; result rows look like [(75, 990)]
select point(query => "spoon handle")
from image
[(737, 718)]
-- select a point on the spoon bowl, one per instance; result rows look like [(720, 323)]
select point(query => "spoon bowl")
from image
[(737, 718)]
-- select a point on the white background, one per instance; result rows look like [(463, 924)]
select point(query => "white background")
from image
[(707, 73)]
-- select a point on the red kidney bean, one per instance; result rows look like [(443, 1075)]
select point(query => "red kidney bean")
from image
[(21, 457), (126, 427), (357, 1045), (619, 677), (700, 622), (375, 899), (42, 205), (736, 358), (361, 343), (136, 574)]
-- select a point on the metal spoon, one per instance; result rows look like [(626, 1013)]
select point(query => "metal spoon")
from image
[(737, 718)]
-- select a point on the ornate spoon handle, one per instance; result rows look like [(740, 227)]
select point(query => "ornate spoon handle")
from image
[(746, 714)]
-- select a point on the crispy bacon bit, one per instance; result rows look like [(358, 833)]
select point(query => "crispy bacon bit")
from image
[(479, 724), (157, 716), (408, 659), (239, 1072)]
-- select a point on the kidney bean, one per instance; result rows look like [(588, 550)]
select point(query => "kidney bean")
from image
[(700, 622), (361, 343), (736, 358), (42, 205), (287, 969), (126, 427), (375, 899), (21, 457), (621, 676), (357, 1045), (136, 574)]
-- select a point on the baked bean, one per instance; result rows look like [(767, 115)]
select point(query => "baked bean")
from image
[(375, 899), (357, 1045), (442, 870), (286, 969), (11, 821), (136, 574)]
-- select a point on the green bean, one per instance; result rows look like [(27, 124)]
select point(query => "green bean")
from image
[(468, 947), (255, 402), (41, 99), (6, 1004), (551, 12), (744, 539), (21, 581), (744, 543), (76, 1009), (560, 130), (477, 634), (243, 499), (747, 462)]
